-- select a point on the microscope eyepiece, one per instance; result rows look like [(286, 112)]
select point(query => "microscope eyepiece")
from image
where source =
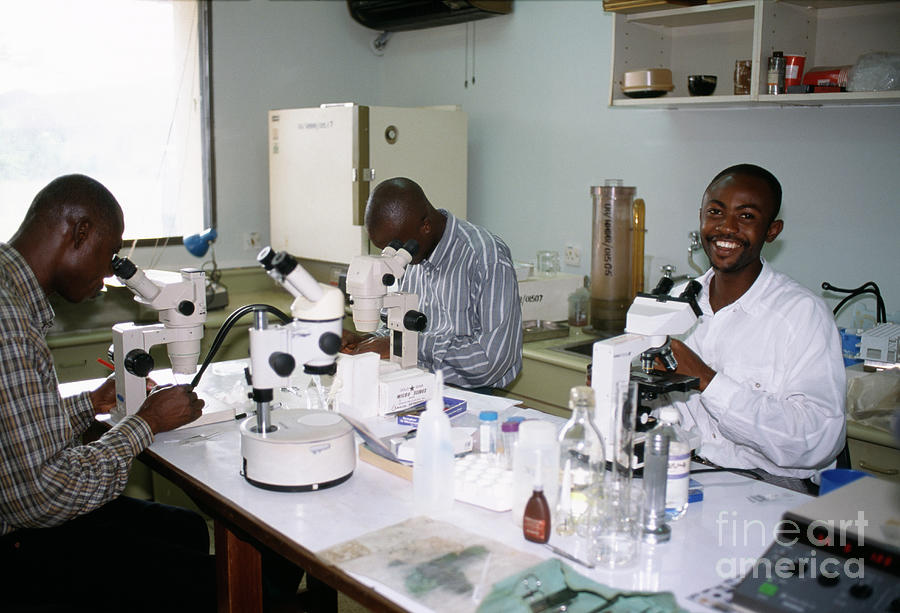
[(411, 246), (284, 263), (123, 267), (395, 244), (663, 287), (264, 257)]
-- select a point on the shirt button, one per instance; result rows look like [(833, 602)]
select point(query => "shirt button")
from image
[(757, 386)]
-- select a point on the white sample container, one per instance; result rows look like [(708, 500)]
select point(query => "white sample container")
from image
[(534, 435)]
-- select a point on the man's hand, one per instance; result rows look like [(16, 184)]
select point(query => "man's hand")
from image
[(350, 340), (690, 364), (378, 344), (168, 407), (104, 397)]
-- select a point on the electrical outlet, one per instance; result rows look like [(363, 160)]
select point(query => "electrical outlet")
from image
[(251, 241), (573, 255)]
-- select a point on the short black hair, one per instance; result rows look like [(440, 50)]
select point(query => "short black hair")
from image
[(75, 190), (752, 170)]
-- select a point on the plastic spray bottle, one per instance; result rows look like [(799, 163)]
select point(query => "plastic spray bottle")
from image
[(433, 466)]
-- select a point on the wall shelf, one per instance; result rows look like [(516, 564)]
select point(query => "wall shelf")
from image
[(708, 39)]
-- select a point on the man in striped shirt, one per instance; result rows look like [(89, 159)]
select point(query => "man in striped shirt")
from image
[(68, 541), (466, 284)]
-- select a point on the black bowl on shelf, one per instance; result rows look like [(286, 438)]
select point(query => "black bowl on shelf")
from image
[(701, 84)]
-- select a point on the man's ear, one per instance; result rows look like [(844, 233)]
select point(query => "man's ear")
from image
[(774, 230), (81, 232)]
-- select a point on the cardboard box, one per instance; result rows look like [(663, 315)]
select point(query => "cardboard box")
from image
[(410, 417)]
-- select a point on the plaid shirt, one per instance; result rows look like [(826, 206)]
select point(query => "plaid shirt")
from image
[(46, 476)]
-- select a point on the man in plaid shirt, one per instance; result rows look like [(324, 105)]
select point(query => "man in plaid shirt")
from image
[(69, 540)]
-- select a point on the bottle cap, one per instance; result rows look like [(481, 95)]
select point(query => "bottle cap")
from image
[(581, 395), (509, 426), (488, 416)]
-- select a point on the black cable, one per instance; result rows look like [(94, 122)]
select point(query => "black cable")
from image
[(740, 471), (869, 287), (226, 327)]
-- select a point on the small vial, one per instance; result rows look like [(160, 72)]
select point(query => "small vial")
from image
[(536, 521), (509, 435), (488, 432)]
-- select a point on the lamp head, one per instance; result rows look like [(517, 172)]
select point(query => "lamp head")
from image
[(198, 244)]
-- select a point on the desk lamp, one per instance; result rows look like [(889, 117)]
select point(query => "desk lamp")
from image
[(197, 245)]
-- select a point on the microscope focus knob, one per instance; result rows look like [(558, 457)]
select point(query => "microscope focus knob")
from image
[(415, 321), (186, 307), (138, 362), (330, 343), (388, 279), (282, 363)]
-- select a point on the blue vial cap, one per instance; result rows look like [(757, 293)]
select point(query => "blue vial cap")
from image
[(488, 416), (516, 419)]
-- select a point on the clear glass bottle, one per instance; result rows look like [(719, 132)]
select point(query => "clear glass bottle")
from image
[(582, 464), (679, 470)]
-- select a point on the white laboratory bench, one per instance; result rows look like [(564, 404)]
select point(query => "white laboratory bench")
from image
[(717, 540)]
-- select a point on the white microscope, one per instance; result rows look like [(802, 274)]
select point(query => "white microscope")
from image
[(649, 322), (182, 313), (295, 449), (369, 279)]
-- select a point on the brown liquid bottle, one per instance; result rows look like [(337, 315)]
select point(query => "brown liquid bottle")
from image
[(536, 521)]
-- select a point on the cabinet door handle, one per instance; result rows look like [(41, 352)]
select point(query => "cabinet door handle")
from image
[(876, 469)]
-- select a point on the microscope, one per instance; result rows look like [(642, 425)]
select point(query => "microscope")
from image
[(297, 449), (649, 322), (182, 313), (368, 280)]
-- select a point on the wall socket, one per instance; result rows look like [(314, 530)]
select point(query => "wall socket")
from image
[(573, 255)]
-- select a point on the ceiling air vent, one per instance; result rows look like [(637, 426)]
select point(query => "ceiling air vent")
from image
[(402, 15)]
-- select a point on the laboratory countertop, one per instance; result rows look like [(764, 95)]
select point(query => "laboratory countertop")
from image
[(712, 540)]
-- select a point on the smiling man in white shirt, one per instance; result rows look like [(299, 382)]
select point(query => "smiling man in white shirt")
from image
[(766, 349)]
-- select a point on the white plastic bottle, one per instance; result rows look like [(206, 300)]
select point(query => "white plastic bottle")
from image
[(433, 466), (679, 472)]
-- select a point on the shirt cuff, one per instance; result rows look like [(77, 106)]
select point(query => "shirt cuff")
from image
[(719, 393), (82, 410), (135, 431)]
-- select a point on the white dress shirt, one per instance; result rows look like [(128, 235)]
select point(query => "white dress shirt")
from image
[(778, 399)]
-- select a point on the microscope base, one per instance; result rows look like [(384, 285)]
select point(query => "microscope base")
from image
[(307, 451)]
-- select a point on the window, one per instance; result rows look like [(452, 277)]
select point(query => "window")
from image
[(114, 89)]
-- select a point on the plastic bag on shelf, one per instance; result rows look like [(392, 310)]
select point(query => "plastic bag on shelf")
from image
[(875, 72)]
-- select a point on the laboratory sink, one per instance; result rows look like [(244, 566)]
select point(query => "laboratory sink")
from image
[(584, 349)]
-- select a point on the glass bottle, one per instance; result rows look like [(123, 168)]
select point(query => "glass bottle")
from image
[(656, 461), (679, 471), (536, 521), (581, 462)]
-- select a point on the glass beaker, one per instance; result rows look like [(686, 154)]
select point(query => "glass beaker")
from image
[(611, 255), (615, 539)]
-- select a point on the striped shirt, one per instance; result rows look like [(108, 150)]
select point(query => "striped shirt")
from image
[(46, 476), (468, 291)]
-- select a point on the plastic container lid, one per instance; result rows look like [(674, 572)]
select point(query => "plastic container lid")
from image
[(669, 415), (488, 416), (537, 432), (510, 426), (516, 418)]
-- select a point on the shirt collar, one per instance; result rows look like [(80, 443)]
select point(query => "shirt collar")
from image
[(21, 280), (751, 297), (442, 249)]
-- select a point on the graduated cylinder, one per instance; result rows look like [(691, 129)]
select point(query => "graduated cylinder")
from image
[(612, 255)]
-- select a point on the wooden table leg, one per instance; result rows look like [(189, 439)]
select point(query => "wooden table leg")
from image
[(238, 573)]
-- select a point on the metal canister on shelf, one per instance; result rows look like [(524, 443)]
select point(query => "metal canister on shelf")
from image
[(775, 75)]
